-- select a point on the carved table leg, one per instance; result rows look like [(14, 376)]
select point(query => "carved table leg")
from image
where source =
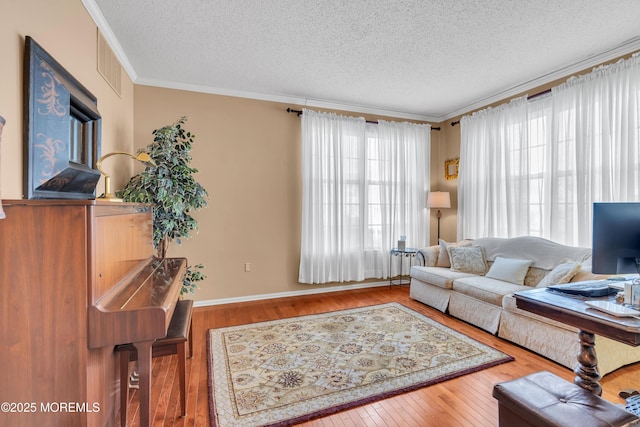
[(587, 375), (144, 372)]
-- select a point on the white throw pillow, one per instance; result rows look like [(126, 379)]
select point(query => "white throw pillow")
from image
[(509, 270), (468, 259), (561, 273), (443, 254)]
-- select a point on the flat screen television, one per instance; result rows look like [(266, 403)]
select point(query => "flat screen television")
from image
[(616, 238)]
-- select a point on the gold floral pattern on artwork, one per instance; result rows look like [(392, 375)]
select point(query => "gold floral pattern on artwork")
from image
[(50, 99), (49, 150)]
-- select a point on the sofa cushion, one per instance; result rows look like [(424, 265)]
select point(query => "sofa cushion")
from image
[(443, 255), (486, 289), (534, 275), (468, 259), (561, 273), (438, 276), (509, 269)]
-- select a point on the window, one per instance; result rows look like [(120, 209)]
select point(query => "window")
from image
[(363, 186), (536, 167)]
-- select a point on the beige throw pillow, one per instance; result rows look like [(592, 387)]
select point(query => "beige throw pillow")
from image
[(561, 273), (585, 273), (468, 259), (443, 255), (509, 270)]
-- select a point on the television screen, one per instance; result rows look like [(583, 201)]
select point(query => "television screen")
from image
[(616, 238)]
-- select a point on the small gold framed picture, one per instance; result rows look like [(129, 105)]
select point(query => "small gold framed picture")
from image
[(451, 168)]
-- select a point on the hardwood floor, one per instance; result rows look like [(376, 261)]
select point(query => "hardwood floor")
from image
[(463, 401)]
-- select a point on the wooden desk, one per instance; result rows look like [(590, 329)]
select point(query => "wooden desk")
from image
[(573, 311)]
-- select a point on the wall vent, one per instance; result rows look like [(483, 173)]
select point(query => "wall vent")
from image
[(108, 65)]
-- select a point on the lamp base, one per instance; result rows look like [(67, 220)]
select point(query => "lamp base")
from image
[(110, 197)]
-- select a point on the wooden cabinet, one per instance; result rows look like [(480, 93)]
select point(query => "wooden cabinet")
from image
[(58, 257)]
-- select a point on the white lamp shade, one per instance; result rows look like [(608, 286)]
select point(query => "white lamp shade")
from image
[(438, 199)]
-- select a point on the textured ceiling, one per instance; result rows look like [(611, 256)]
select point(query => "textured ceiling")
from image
[(423, 59)]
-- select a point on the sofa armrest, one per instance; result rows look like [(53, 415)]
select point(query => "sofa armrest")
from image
[(428, 257)]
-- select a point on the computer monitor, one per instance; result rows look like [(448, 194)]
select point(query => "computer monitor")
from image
[(616, 238)]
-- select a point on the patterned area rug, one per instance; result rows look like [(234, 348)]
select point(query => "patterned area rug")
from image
[(287, 371)]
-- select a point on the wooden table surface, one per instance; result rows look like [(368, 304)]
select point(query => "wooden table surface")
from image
[(572, 310)]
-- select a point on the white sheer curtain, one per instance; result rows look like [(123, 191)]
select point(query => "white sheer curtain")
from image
[(536, 167), (494, 149), (596, 128), (364, 185)]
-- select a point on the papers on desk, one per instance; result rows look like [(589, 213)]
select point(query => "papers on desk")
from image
[(619, 285), (617, 282), (614, 309)]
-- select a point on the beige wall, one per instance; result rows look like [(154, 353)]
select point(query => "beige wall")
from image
[(444, 146), (65, 30), (247, 151), (248, 155)]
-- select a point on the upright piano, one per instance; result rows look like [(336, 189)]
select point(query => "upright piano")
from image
[(78, 277)]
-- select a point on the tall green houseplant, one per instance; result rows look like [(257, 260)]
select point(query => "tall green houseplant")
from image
[(171, 188)]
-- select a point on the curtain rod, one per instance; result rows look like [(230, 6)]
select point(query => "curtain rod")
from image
[(529, 98), (299, 113), (535, 95)]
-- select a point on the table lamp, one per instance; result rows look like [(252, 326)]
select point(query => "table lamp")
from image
[(438, 200)]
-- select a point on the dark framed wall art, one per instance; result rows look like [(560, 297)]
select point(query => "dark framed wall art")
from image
[(62, 128)]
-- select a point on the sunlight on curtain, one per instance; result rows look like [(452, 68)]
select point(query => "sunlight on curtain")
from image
[(597, 118), (536, 167), (494, 150), (364, 185)]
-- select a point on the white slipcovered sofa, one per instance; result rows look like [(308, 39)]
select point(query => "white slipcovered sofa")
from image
[(475, 281)]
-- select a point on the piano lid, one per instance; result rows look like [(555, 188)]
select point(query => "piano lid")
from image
[(138, 308)]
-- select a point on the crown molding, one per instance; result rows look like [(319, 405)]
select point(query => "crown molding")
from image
[(285, 99), (624, 48), (110, 37), (101, 22)]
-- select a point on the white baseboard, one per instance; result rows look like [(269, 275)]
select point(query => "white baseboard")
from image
[(206, 303)]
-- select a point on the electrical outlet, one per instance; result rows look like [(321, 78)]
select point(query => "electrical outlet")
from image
[(247, 267)]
